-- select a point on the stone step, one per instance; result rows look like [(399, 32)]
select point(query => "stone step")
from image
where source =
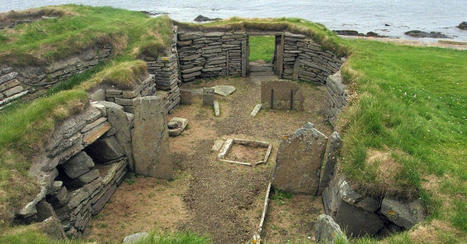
[(264, 73), (260, 67)]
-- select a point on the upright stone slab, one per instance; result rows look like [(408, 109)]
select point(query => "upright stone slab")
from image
[(299, 160), (330, 160), (208, 96), (150, 139)]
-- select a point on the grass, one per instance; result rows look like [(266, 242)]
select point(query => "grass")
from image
[(403, 131), (81, 27), (263, 48), (23, 132), (408, 104), (174, 238), (34, 236)]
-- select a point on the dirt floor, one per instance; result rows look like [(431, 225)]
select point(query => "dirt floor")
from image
[(221, 200)]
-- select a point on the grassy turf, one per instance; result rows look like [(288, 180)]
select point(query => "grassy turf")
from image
[(81, 27), (409, 102), (33, 236), (262, 48)]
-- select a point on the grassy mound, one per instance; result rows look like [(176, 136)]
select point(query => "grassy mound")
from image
[(81, 27)]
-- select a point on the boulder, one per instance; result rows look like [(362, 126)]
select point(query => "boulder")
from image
[(105, 150), (177, 125), (150, 138), (201, 18), (463, 25), (348, 33), (135, 238), (330, 160), (404, 214), (78, 165), (299, 160), (326, 230), (423, 34)]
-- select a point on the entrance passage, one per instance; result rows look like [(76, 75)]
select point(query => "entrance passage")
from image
[(261, 55)]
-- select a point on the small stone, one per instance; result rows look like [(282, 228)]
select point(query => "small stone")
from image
[(256, 109), (217, 110), (177, 125), (217, 145), (224, 90), (135, 238)]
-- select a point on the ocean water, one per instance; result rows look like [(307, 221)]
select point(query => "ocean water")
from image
[(386, 17)]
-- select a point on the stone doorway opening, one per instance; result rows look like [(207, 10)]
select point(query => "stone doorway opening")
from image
[(262, 59)]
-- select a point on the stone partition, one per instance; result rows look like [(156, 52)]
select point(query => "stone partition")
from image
[(16, 82), (281, 95), (167, 73), (211, 54)]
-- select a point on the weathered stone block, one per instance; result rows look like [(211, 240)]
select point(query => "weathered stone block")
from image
[(105, 150), (208, 96), (86, 178), (404, 214), (326, 230), (186, 97), (150, 139), (329, 162), (78, 165), (299, 160)]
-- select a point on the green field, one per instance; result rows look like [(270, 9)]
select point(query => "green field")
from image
[(261, 48)]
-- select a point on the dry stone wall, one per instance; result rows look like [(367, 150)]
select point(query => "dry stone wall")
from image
[(210, 54), (336, 96), (80, 168), (304, 59), (167, 74), (125, 98), (16, 82)]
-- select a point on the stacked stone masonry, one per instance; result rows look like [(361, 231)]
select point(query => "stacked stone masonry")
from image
[(166, 71), (336, 96), (305, 60), (79, 169), (210, 54), (16, 82), (125, 98)]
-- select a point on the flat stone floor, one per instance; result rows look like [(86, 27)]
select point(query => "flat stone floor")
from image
[(221, 200)]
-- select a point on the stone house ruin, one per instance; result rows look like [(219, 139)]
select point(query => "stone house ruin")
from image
[(89, 154)]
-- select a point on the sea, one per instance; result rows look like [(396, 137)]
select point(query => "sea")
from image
[(385, 17)]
